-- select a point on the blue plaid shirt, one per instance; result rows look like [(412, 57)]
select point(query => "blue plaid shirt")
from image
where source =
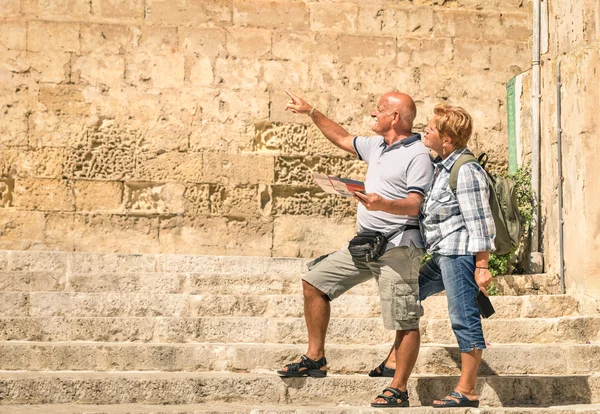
[(460, 224)]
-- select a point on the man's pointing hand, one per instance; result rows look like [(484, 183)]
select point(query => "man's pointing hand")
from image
[(296, 104)]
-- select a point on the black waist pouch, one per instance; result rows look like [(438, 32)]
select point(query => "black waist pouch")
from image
[(368, 246)]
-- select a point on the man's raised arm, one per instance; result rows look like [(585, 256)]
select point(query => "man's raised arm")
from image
[(332, 131)]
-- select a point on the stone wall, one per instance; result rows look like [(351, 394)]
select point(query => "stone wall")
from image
[(575, 41), (157, 126)]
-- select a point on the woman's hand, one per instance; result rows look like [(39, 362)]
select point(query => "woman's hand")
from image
[(483, 278)]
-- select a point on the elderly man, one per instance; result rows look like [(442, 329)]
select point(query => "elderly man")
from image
[(399, 174)]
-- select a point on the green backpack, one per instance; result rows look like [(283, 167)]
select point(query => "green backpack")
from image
[(503, 202)]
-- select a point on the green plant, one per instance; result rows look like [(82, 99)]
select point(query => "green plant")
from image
[(499, 265), (492, 290)]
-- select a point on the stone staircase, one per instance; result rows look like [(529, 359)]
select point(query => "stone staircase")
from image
[(109, 333)]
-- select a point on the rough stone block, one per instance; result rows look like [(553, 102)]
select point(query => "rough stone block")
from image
[(203, 42), (366, 48), (138, 282), (197, 200), (199, 70), (156, 40), (271, 14), (304, 46), (166, 124), (477, 25), (13, 35), (301, 201), (337, 17), (33, 281), (415, 52), (238, 74), (64, 9), (15, 107), (105, 264), (239, 201), (101, 233), (38, 262), (47, 36), (49, 66), (14, 304), (10, 8), (234, 169), (370, 18), (278, 74), (44, 195), (39, 163), (289, 139), (107, 151), (297, 236), (105, 39), (298, 170), (119, 9), (219, 235), (21, 229), (7, 186), (98, 195), (189, 12), (97, 69), (94, 305), (170, 166), (152, 198), (59, 118), (249, 43), (77, 329), (158, 71), (511, 56)]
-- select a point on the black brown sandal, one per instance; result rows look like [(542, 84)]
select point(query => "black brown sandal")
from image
[(382, 371), (305, 368), (397, 399)]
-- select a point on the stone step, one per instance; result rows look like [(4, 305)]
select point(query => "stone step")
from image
[(235, 408), (195, 388), (19, 304), (514, 359), (367, 331), (29, 271), (220, 283)]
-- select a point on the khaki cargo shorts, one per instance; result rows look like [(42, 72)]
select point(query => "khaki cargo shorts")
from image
[(397, 275)]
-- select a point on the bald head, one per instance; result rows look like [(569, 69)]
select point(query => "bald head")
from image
[(404, 105)]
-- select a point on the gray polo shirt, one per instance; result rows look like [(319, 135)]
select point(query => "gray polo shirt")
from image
[(393, 172)]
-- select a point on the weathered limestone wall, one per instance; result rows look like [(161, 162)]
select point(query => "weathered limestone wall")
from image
[(157, 126), (575, 41)]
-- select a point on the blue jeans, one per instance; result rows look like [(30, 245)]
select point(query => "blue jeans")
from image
[(455, 274)]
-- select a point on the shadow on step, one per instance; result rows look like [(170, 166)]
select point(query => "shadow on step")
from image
[(511, 391)]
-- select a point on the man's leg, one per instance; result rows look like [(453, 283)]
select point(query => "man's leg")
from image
[(406, 354), (430, 283), (329, 279), (398, 273), (317, 311)]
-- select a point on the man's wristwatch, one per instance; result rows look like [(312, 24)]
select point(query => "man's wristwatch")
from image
[(311, 112)]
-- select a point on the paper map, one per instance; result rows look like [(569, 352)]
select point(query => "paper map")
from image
[(339, 186)]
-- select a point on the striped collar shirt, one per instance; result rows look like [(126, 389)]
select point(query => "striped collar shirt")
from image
[(461, 223)]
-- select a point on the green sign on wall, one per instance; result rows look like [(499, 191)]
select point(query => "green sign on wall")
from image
[(512, 126)]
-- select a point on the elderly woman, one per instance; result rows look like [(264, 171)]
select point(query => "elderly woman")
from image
[(459, 232)]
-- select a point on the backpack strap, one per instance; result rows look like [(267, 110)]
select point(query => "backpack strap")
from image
[(462, 160)]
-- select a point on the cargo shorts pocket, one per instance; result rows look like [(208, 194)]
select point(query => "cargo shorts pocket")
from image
[(405, 304)]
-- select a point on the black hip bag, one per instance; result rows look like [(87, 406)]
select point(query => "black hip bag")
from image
[(368, 246)]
